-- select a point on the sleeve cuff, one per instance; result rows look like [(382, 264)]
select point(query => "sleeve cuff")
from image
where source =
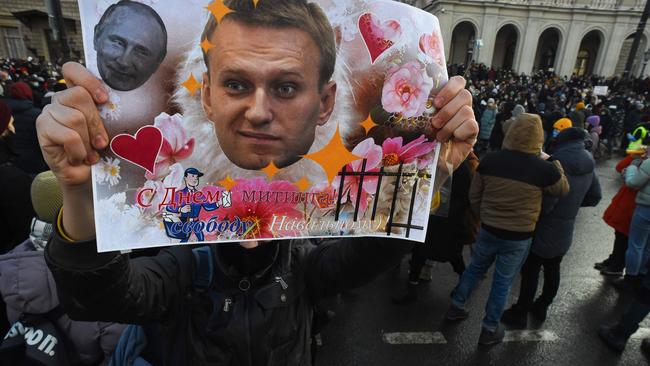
[(59, 227), (77, 255)]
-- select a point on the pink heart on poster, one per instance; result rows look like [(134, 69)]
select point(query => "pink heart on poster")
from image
[(141, 149), (377, 35)]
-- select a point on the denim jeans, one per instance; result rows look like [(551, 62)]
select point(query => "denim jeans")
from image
[(638, 249), (509, 256)]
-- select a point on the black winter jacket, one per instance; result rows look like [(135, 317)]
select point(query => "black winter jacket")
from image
[(554, 231), (263, 319), (25, 142)]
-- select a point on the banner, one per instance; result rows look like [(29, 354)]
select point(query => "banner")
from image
[(258, 120)]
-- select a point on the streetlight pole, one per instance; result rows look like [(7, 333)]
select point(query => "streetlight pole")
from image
[(637, 39), (55, 18), (646, 58)]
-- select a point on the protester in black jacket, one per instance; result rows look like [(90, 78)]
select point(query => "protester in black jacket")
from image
[(260, 306), (28, 152), (16, 210), (266, 295)]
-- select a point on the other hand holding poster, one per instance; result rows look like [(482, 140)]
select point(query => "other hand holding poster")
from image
[(269, 119)]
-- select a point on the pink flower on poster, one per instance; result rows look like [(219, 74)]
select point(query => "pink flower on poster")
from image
[(406, 90), (373, 154), (394, 152), (176, 145), (324, 196), (431, 45), (262, 212)]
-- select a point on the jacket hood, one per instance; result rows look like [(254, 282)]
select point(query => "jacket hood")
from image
[(26, 284), (524, 134), (571, 134), (19, 105), (569, 149)]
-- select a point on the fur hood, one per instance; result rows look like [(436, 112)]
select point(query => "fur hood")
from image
[(524, 134)]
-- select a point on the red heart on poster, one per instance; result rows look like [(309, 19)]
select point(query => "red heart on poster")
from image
[(141, 149), (378, 36)]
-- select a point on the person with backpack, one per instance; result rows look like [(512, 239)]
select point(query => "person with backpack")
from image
[(257, 307)]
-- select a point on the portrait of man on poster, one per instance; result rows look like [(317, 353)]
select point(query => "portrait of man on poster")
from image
[(268, 82), (131, 43)]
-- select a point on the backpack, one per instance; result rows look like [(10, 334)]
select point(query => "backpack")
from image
[(35, 339)]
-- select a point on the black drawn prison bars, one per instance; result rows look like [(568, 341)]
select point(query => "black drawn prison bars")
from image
[(380, 174)]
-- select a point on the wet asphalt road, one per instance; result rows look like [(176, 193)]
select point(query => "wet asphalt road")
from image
[(585, 300)]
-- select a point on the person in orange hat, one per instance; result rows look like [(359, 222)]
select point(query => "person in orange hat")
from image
[(561, 124), (577, 116)]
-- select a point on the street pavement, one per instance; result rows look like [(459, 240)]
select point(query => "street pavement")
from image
[(369, 330)]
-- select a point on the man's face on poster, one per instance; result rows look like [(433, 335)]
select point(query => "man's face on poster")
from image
[(192, 180), (130, 45), (263, 93)]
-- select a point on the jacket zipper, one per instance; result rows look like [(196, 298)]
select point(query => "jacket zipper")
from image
[(282, 283), (248, 326)]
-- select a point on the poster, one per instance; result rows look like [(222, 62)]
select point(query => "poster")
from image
[(226, 125), (601, 90)]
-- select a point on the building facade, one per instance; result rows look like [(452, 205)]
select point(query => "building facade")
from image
[(568, 36), (25, 30)]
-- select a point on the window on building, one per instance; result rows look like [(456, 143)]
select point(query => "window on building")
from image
[(582, 62), (13, 42)]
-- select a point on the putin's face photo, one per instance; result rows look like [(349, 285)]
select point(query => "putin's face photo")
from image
[(265, 92), (131, 42)]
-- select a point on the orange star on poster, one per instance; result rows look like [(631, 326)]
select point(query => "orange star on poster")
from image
[(303, 184), (333, 157), (218, 9), (368, 124), (227, 183), (206, 45), (271, 170), (191, 85)]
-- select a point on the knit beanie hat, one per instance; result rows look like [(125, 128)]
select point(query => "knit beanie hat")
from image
[(21, 90), (562, 123), (580, 105), (594, 120)]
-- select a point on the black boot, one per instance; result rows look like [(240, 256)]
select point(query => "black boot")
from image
[(539, 311), (645, 347), (612, 338), (515, 317), (411, 295), (628, 283)]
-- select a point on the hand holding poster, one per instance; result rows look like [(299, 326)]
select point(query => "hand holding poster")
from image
[(247, 120)]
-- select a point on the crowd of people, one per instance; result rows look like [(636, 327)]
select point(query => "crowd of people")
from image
[(616, 107), (514, 199)]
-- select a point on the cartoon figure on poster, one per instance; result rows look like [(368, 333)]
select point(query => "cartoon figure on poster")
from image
[(306, 128), (188, 203)]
